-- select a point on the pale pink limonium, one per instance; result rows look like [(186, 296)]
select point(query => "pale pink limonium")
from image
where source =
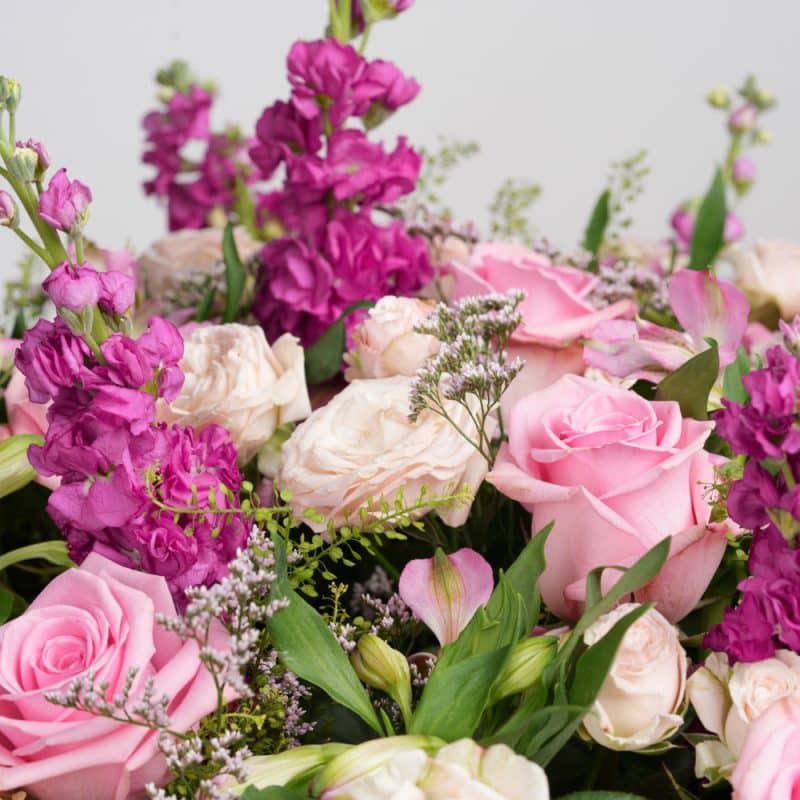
[(704, 305), (445, 591), (64, 204)]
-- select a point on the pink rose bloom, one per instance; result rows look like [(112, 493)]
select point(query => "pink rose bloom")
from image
[(769, 764), (617, 474), (100, 617), (556, 312)]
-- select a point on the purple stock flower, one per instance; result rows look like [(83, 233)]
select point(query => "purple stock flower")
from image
[(73, 287), (280, 132), (384, 84), (42, 156), (117, 292), (64, 204)]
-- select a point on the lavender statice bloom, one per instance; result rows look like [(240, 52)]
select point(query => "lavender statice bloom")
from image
[(292, 692)]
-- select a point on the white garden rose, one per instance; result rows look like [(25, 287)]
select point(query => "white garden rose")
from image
[(385, 343), (236, 380), (728, 699), (640, 701), (768, 272), (361, 448), (179, 256)]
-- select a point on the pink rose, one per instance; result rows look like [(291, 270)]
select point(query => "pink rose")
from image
[(556, 312), (617, 474), (100, 617), (769, 764)]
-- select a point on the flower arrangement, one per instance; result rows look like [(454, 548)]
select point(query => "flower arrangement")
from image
[(324, 495)]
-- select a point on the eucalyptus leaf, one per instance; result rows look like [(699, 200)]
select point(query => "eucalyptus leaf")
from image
[(691, 384), (234, 275), (708, 235), (598, 222), (308, 648), (55, 552), (324, 357)]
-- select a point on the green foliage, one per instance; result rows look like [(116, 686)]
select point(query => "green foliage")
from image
[(273, 793), (54, 552), (324, 357), (436, 168), (732, 386), (235, 275), (691, 384), (709, 227), (508, 212), (626, 184), (595, 232)]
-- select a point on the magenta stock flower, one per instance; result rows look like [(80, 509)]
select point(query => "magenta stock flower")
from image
[(445, 591), (73, 287), (64, 204), (386, 85), (117, 292), (280, 132), (43, 157)]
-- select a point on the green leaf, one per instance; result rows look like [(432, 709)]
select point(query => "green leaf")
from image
[(308, 648), (732, 385), (709, 227), (598, 222), (204, 307), (54, 552), (691, 384), (234, 275), (6, 605), (599, 795), (324, 357), (523, 575), (18, 331), (272, 793), (456, 696)]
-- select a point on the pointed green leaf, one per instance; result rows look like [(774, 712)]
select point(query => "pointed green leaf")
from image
[(708, 235), (204, 307), (6, 605), (732, 386), (234, 275), (55, 552), (308, 648), (598, 222), (691, 384)]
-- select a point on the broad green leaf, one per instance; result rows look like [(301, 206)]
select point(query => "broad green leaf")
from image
[(308, 648), (234, 275), (6, 605), (732, 386), (708, 235), (15, 469), (691, 384), (598, 222), (54, 552), (204, 307), (523, 575), (273, 793), (324, 357), (519, 723), (600, 795), (455, 697), (20, 325)]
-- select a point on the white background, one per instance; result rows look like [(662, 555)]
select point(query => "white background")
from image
[(552, 89)]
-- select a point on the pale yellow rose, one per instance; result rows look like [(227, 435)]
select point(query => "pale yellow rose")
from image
[(236, 380), (639, 703)]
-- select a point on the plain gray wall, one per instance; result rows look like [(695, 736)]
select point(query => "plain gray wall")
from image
[(553, 91)]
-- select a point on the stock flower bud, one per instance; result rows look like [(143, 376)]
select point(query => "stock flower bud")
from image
[(719, 97), (65, 203), (10, 93), (73, 287), (382, 667), (15, 469), (743, 118), (762, 137), (22, 164), (8, 210), (42, 156), (743, 172), (445, 591), (525, 666)]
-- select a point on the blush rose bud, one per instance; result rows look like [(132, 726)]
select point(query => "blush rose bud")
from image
[(639, 705), (382, 667), (8, 211), (525, 667)]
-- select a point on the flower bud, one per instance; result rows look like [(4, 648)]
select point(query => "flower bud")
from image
[(525, 666), (382, 667), (445, 591), (15, 469), (743, 172), (22, 164), (764, 99), (719, 97), (762, 137), (10, 93), (743, 118), (42, 156), (8, 210)]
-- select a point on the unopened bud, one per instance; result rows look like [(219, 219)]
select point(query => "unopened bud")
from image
[(719, 97), (10, 93), (762, 137), (764, 99), (23, 164), (526, 665), (743, 173), (42, 156), (15, 469), (743, 118), (382, 667), (8, 210)]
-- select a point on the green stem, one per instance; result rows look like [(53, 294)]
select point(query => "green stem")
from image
[(12, 128), (78, 249), (364, 39), (38, 249)]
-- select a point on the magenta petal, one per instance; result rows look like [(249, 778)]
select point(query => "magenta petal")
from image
[(708, 307), (446, 595)]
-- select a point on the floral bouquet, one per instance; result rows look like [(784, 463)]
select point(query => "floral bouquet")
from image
[(325, 495)]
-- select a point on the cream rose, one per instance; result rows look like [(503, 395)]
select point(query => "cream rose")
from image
[(640, 701), (386, 344), (236, 380), (361, 449), (728, 699), (768, 272), (178, 257)]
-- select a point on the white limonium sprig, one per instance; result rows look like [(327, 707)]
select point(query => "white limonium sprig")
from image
[(472, 367)]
